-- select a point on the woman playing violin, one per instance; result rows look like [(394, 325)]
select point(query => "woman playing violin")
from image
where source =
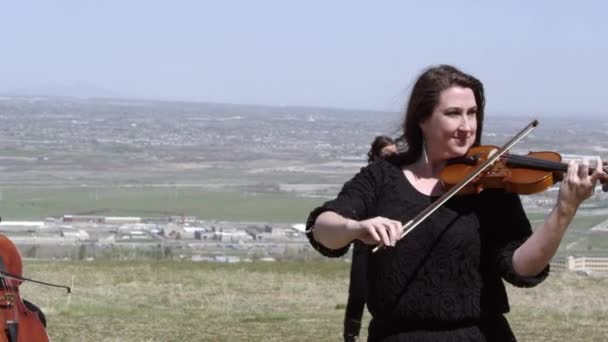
[(443, 281)]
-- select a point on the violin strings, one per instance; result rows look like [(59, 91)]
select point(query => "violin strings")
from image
[(548, 164), (536, 162), (532, 160)]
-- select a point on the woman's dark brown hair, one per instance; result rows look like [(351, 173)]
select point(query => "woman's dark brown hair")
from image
[(425, 97)]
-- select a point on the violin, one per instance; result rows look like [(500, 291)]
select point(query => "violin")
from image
[(17, 322), (528, 174), (487, 167)]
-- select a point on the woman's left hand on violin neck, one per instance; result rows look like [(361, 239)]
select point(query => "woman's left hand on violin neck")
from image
[(578, 185)]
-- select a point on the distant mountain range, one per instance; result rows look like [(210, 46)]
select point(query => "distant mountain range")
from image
[(78, 90), (85, 93), (88, 91)]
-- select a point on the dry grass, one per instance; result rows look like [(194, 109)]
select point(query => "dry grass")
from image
[(565, 307), (285, 301)]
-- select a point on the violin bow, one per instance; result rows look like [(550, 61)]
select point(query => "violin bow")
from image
[(7, 275), (413, 223)]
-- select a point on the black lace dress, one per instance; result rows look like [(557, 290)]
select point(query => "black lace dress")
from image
[(443, 281)]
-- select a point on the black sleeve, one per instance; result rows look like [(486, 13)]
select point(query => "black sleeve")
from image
[(511, 228), (355, 201)]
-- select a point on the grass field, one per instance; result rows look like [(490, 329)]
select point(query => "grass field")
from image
[(33, 204), (283, 301)]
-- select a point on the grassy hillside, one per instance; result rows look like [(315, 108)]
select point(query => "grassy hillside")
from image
[(284, 301)]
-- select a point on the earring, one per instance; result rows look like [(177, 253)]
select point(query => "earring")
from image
[(424, 155)]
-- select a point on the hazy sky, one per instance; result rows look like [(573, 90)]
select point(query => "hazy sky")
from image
[(533, 56)]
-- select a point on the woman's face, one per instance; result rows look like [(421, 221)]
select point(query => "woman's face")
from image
[(452, 127)]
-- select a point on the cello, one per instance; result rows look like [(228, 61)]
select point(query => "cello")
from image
[(17, 322)]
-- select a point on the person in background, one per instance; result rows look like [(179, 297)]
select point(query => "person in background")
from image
[(381, 147)]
